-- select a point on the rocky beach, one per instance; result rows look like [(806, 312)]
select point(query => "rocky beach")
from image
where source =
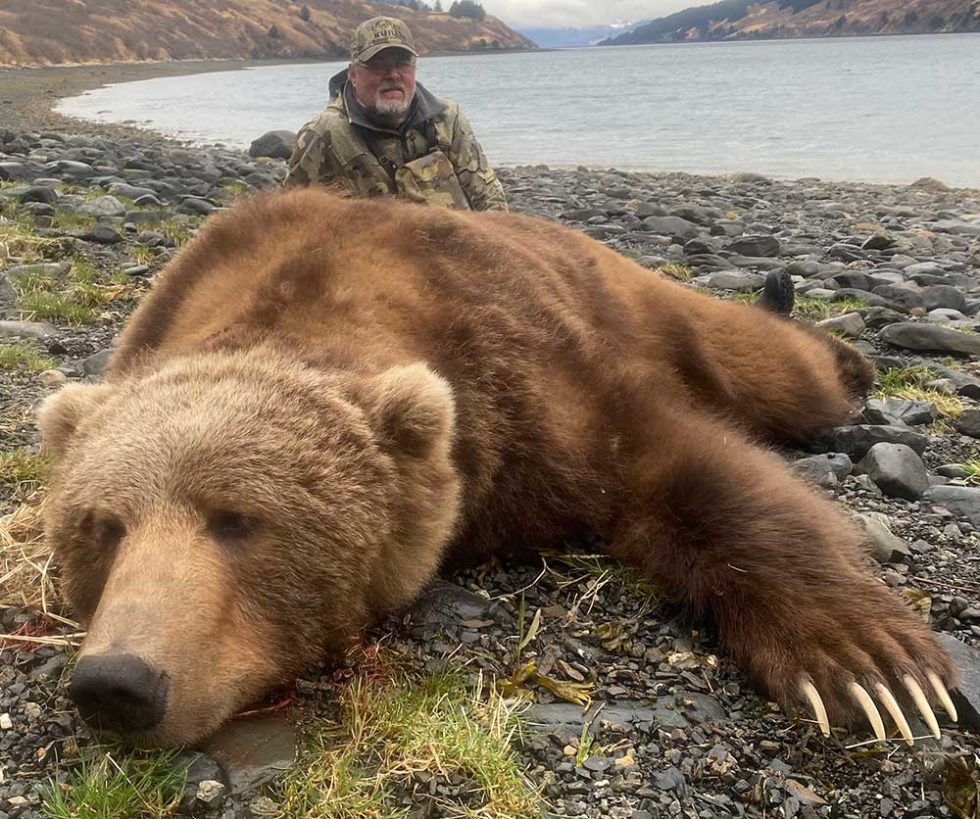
[(629, 712)]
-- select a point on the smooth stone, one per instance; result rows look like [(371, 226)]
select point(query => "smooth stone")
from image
[(857, 439), (755, 246), (103, 206), (853, 279), (885, 545), (674, 226), (102, 234), (931, 337), (900, 411), (957, 227), (943, 296), (968, 423), (95, 364), (133, 192), (735, 280), (897, 470), (901, 296), (26, 329), (966, 696), (824, 470), (943, 315), (253, 751), (444, 603), (850, 324), (963, 501), (274, 144)]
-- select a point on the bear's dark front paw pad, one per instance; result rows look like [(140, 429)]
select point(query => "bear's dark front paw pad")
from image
[(866, 703)]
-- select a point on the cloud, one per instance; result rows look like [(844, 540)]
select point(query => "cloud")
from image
[(564, 13)]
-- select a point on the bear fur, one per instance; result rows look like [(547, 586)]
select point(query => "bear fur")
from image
[(323, 401)]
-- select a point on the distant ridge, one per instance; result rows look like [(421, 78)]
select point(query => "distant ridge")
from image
[(571, 37), (776, 19), (53, 32)]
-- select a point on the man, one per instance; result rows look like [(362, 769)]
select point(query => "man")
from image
[(383, 133)]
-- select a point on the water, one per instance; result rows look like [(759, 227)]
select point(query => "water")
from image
[(889, 109)]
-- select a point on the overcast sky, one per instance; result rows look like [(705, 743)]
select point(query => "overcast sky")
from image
[(561, 13)]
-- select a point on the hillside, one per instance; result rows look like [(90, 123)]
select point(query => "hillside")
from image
[(752, 19), (52, 32)]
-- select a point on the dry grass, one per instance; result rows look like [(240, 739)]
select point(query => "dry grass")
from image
[(19, 244), (910, 383), (25, 560), (397, 732), (677, 271)]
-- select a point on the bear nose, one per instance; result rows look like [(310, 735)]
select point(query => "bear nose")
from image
[(119, 692)]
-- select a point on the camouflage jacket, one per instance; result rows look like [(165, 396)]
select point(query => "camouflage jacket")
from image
[(434, 158)]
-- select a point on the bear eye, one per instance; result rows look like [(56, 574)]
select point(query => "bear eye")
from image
[(229, 527), (105, 532)]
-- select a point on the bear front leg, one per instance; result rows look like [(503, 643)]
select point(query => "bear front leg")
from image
[(727, 528)]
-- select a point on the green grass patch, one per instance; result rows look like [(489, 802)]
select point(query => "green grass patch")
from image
[(179, 230), (118, 785), (55, 307), (972, 469), (18, 466), (73, 221), (396, 732), (910, 383), (818, 309), (21, 356), (143, 254), (235, 191), (76, 300), (605, 570)]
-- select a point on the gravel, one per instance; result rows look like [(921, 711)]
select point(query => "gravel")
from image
[(674, 730)]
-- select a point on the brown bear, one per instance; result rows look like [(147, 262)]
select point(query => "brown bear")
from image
[(324, 400)]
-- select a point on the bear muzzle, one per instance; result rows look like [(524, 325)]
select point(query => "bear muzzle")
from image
[(119, 692)]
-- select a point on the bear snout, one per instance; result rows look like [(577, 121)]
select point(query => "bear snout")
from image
[(119, 692)]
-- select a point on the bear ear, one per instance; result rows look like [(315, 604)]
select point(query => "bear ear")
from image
[(61, 413), (412, 410)]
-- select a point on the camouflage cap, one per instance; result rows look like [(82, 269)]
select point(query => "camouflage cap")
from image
[(375, 35)]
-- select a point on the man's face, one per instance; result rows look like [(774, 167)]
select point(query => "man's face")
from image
[(385, 84)]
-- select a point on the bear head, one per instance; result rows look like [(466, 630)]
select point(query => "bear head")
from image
[(230, 518)]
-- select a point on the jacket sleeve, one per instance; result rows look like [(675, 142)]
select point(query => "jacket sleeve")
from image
[(309, 163), (476, 177)]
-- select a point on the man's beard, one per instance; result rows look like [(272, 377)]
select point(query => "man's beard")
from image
[(390, 113)]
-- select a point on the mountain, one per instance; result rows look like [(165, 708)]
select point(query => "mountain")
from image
[(765, 19), (52, 32), (574, 37)]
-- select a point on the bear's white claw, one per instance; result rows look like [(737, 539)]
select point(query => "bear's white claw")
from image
[(919, 698), (863, 698), (808, 690), (888, 700), (943, 694)]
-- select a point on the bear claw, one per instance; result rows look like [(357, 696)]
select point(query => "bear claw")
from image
[(867, 704), (809, 690), (861, 696), (891, 704), (942, 694), (919, 698)]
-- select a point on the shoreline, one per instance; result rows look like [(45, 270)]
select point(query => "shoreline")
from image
[(29, 96)]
